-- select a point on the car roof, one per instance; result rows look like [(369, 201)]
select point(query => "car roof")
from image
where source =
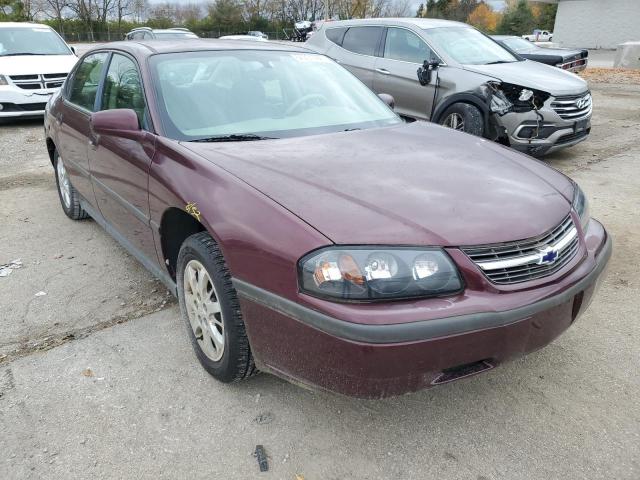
[(504, 37), (23, 25), (171, 30), (423, 23), (144, 48)]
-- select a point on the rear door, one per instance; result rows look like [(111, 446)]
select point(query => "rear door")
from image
[(120, 166), (357, 52), (79, 100), (396, 69)]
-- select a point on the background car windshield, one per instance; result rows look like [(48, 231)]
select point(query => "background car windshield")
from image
[(34, 41), (467, 46), (278, 94), (519, 44)]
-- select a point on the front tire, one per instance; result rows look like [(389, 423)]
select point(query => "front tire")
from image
[(464, 118), (210, 308), (69, 197)]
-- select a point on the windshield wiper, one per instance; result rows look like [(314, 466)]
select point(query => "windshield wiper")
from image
[(500, 61), (234, 137)]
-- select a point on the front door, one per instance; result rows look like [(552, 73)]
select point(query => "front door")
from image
[(119, 166), (396, 73), (79, 101)]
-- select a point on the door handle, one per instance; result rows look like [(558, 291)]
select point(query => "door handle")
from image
[(383, 71)]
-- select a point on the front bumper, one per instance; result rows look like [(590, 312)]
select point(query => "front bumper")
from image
[(17, 102), (374, 360), (556, 132)]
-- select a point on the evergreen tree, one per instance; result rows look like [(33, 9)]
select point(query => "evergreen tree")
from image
[(517, 20)]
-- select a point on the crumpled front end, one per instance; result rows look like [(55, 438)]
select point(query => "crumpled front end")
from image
[(535, 122)]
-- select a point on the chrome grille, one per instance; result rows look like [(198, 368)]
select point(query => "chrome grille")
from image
[(573, 107), (38, 82), (530, 259)]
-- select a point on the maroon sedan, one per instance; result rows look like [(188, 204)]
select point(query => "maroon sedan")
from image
[(306, 229)]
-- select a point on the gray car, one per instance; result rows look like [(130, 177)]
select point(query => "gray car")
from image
[(452, 74)]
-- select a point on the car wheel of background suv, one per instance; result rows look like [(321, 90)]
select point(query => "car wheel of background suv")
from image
[(69, 198), (464, 118), (209, 305)]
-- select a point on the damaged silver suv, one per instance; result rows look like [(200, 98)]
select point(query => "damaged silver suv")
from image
[(452, 74)]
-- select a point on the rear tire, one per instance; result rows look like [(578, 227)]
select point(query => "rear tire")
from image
[(464, 118), (69, 197), (210, 308)]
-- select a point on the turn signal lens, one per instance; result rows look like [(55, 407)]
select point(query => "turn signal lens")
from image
[(3, 80), (350, 270), (362, 273), (327, 272)]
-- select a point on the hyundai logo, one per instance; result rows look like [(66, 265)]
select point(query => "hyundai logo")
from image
[(547, 256), (583, 102)]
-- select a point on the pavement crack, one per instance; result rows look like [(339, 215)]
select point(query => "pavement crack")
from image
[(47, 342)]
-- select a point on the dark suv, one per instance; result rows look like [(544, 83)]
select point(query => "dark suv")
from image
[(147, 33)]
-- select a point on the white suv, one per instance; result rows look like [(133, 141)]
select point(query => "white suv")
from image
[(34, 62)]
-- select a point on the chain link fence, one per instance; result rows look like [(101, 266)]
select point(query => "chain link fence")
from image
[(115, 35)]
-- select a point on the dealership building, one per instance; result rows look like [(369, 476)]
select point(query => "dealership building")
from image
[(596, 23)]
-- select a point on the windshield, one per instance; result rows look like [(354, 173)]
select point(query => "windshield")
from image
[(175, 35), (267, 93), (468, 46), (518, 44), (31, 41)]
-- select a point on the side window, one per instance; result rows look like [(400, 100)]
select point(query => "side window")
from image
[(404, 45), (336, 34), (84, 84), (363, 40), (138, 36), (147, 36), (122, 87)]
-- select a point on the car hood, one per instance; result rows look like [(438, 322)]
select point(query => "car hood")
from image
[(559, 52), (413, 184), (534, 75), (36, 64)]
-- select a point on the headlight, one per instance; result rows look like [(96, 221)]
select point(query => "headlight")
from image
[(581, 206), (3, 80), (366, 273)]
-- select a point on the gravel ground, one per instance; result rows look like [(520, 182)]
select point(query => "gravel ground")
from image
[(97, 378)]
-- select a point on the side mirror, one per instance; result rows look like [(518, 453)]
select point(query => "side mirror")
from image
[(121, 122), (388, 99), (426, 70)]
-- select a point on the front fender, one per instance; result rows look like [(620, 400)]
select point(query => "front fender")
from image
[(260, 239)]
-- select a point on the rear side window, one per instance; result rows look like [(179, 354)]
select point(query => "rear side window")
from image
[(363, 40), (406, 46), (122, 86), (86, 78), (336, 34)]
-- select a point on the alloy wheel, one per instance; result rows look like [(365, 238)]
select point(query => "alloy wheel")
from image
[(204, 310), (63, 183), (455, 121)]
